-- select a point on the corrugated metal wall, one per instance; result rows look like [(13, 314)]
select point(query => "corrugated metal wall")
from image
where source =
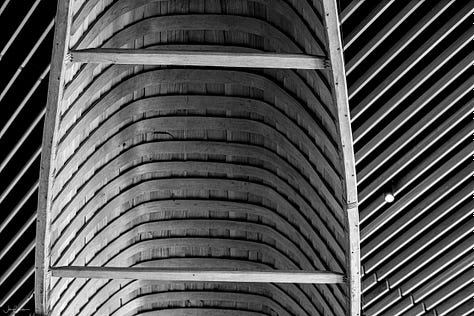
[(411, 95), (25, 50)]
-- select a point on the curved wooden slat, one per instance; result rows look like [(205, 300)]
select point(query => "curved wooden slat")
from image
[(280, 293), (220, 23), (195, 103), (156, 166), (174, 124), (283, 261), (323, 150), (233, 186), (181, 76), (200, 312), (224, 206), (239, 298), (119, 8)]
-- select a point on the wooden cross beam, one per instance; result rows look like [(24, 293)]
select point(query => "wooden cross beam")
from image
[(201, 275), (197, 58)]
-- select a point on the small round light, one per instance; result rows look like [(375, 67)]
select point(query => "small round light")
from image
[(389, 197)]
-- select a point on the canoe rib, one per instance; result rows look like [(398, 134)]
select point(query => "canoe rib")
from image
[(250, 180)]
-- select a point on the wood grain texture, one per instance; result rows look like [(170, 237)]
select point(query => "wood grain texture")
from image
[(196, 58), (55, 90), (351, 203), (161, 166), (197, 275)]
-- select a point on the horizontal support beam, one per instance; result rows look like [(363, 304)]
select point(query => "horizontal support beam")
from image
[(201, 275), (197, 58)]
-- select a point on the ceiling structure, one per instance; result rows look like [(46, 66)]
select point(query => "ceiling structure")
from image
[(410, 82), (411, 98)]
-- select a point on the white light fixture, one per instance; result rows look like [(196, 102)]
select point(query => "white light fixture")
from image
[(388, 194), (389, 197)]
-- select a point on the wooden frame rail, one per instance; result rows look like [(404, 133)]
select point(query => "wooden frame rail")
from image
[(200, 275), (197, 58)]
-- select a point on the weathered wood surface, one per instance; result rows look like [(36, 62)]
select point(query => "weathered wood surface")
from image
[(198, 275), (197, 58), (160, 166)]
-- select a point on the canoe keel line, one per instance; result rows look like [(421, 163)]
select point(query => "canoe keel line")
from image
[(197, 159)]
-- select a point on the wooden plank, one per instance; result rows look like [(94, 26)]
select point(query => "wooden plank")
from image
[(26, 61), (347, 148), (415, 107), (28, 274), (200, 311), (370, 18), (408, 199), (4, 5), (422, 228), (411, 87), (402, 305), (466, 309), (198, 58), (19, 233), (175, 297), (11, 268), (350, 9), (376, 293), (25, 100), (416, 151), (326, 114), (444, 285), (388, 300), (433, 262), (20, 175), (425, 123), (198, 275), (22, 140), (383, 34), (401, 44), (18, 206), (55, 90), (453, 302), (19, 28), (311, 25), (299, 303), (408, 262)]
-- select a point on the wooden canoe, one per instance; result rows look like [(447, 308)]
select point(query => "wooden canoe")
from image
[(197, 160)]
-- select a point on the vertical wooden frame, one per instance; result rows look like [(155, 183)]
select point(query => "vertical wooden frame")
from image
[(55, 90), (342, 102)]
